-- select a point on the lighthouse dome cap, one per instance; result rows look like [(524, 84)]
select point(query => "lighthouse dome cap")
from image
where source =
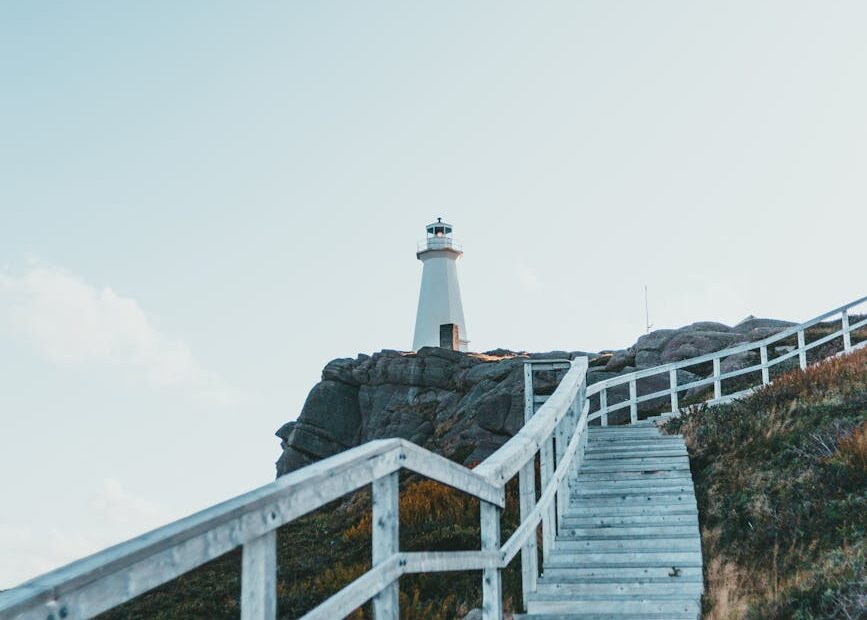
[(439, 227)]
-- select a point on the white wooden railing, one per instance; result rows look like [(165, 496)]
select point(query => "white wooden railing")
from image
[(106, 579), (554, 431), (602, 407)]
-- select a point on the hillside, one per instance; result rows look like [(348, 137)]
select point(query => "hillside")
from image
[(780, 480), (781, 483)]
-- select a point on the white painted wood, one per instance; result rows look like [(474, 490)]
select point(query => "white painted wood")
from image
[(633, 404), (492, 582), (529, 557), (672, 380), (717, 382), (526, 530), (441, 469), (259, 578), (603, 406), (446, 561), (802, 351), (847, 337), (385, 499), (561, 435), (549, 518), (766, 375)]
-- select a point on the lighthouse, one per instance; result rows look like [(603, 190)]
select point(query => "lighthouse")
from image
[(439, 321)]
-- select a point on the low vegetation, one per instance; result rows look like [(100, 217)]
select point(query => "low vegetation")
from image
[(322, 552), (781, 482)]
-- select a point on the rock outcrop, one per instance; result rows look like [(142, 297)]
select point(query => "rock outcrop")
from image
[(466, 405)]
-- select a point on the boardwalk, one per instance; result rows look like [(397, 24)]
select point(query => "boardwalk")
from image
[(616, 508)]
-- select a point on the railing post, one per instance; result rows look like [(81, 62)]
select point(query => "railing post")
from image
[(672, 381), (633, 405), (717, 382), (492, 580), (386, 502), (529, 557), (562, 435), (549, 516), (847, 338), (802, 352), (603, 405), (259, 578), (766, 375)]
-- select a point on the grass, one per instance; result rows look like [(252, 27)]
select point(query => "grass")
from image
[(781, 482)]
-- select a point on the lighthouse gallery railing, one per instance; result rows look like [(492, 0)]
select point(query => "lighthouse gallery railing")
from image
[(555, 433)]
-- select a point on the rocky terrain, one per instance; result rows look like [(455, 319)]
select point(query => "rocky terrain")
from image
[(466, 405)]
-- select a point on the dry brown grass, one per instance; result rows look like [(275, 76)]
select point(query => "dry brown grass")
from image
[(781, 481)]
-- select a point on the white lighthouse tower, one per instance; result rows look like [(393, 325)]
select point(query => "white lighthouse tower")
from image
[(440, 318)]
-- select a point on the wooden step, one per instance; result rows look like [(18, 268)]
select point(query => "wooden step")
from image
[(595, 455), (622, 588), (650, 488), (572, 522), (601, 574), (580, 502), (626, 532), (614, 440), (690, 543), (639, 465), (614, 559), (548, 604)]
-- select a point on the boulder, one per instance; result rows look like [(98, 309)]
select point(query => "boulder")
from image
[(655, 340), (620, 360), (685, 345)]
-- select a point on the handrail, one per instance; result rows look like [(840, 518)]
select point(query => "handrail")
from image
[(115, 575), (554, 432), (601, 387)]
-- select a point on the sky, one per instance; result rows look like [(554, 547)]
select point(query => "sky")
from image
[(201, 203)]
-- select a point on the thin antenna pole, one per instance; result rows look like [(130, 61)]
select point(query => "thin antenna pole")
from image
[(646, 311)]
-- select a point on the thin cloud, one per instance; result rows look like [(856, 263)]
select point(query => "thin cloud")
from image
[(72, 322), (117, 515)]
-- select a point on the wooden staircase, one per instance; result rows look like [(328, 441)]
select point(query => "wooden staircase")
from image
[(629, 543)]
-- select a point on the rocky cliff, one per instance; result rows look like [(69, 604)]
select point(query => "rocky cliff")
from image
[(466, 405)]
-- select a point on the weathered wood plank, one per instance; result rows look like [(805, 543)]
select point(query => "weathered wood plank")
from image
[(802, 351), (441, 469), (385, 525), (259, 578), (529, 556), (526, 530), (492, 581)]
